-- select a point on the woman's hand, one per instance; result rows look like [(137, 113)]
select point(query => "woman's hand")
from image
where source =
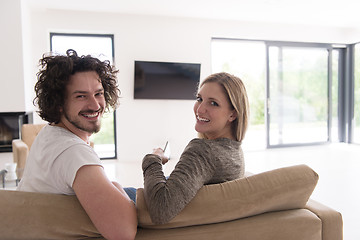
[(160, 153)]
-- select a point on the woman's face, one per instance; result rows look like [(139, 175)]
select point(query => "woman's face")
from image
[(213, 112)]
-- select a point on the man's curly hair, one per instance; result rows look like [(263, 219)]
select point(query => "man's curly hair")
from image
[(54, 76)]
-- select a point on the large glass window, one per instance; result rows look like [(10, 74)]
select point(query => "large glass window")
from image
[(246, 59), (288, 89), (335, 95), (356, 121), (298, 95), (102, 47)]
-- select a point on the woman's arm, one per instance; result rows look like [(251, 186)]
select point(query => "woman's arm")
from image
[(166, 198), (107, 205)]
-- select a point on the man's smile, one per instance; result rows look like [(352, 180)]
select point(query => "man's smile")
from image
[(91, 115)]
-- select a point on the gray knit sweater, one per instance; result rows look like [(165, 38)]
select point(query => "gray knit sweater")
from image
[(202, 162)]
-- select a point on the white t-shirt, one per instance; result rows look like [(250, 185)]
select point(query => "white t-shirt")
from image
[(54, 159)]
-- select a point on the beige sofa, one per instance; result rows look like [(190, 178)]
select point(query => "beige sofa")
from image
[(267, 206)]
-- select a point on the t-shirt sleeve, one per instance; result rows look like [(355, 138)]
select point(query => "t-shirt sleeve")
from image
[(69, 162)]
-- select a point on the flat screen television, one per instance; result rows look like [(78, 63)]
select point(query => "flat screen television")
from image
[(166, 80)]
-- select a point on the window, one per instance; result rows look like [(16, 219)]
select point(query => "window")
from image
[(336, 59), (356, 119), (290, 88), (102, 47), (246, 59), (298, 95)]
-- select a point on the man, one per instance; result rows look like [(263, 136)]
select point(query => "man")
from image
[(72, 94)]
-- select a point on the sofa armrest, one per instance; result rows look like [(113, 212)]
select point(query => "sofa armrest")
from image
[(20, 153), (332, 224)]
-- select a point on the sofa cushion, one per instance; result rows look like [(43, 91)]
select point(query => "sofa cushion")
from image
[(280, 189), (296, 224)]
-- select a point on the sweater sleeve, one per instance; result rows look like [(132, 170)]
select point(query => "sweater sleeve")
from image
[(165, 198)]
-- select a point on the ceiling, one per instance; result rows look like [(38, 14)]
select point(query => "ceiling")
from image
[(332, 13)]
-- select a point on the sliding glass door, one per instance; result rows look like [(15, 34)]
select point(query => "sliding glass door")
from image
[(298, 94)]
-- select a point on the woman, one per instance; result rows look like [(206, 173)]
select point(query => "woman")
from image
[(221, 112)]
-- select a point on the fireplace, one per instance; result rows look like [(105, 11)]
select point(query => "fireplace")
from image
[(10, 128)]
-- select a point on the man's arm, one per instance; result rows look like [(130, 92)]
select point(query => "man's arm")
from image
[(107, 205)]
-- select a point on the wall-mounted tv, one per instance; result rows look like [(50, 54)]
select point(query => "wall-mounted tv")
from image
[(166, 80)]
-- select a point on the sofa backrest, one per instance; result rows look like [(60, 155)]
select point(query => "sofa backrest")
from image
[(280, 189), (27, 215)]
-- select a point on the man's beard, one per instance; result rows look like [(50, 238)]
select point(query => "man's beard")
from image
[(90, 129)]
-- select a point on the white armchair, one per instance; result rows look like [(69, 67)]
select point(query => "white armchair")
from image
[(21, 147)]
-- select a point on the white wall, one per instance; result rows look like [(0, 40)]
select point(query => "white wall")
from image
[(11, 61), (145, 124)]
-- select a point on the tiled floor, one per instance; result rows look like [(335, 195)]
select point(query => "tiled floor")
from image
[(338, 166)]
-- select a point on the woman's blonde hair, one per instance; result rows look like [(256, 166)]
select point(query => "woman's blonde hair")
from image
[(235, 90)]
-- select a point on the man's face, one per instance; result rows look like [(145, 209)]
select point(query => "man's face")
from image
[(84, 104)]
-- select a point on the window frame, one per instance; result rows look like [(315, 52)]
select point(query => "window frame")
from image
[(345, 91), (111, 36), (282, 44)]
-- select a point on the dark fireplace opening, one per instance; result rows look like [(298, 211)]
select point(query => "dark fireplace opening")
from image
[(10, 128)]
